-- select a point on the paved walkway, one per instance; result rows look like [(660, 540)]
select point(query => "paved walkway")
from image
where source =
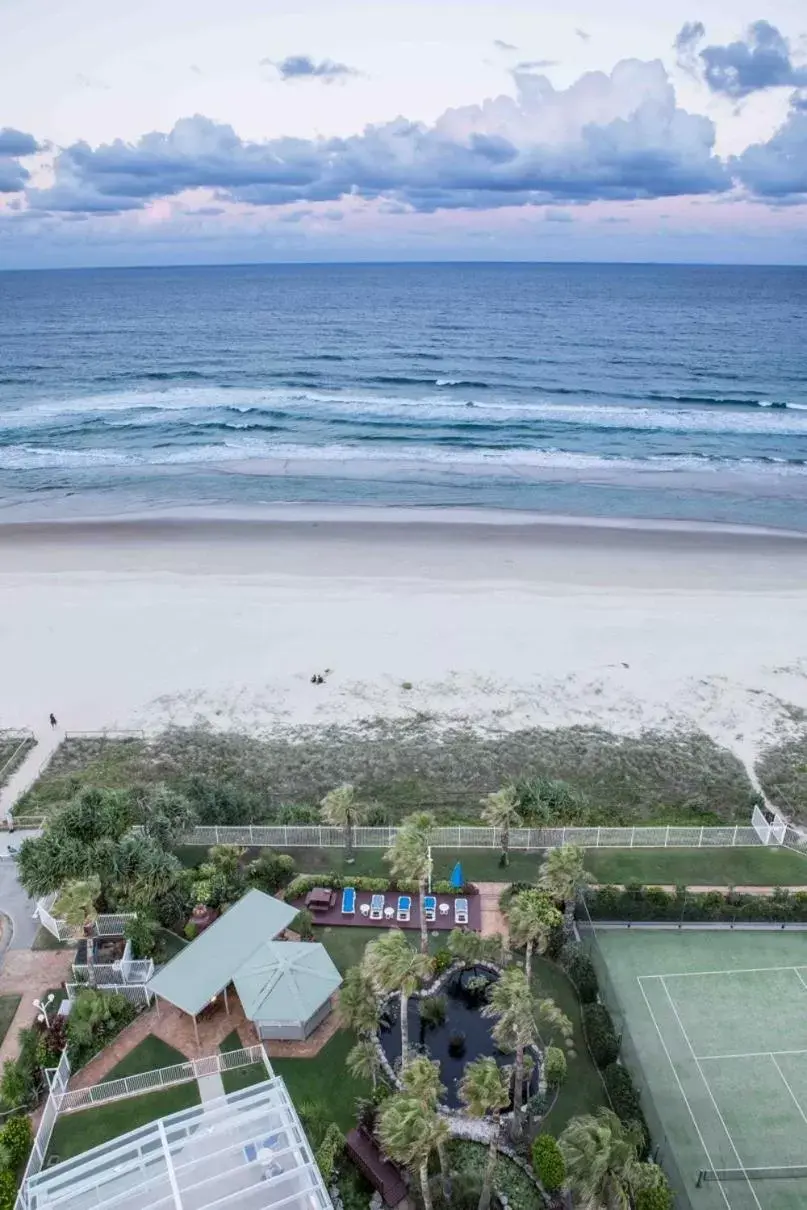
[(24, 777), (210, 1087), (493, 920), (29, 973)]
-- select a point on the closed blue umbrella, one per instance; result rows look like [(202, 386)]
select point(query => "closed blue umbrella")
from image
[(457, 880)]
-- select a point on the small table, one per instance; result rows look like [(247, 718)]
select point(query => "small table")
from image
[(389, 913), (444, 909), (364, 908)]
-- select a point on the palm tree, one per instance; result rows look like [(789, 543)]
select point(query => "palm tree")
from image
[(358, 1008), (501, 810), (363, 1062), (552, 1021), (532, 917), (76, 905), (409, 1131), (601, 1157), (562, 875), (410, 859), (393, 966), (511, 1003), (421, 1079), (485, 1090), (471, 948), (341, 809)]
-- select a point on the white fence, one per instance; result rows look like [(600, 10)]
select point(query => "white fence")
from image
[(525, 839), (113, 925), (136, 993), (163, 1077), (794, 839), (769, 826), (131, 973), (58, 1078)]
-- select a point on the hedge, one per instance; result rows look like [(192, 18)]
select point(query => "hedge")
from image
[(329, 1151), (548, 1163), (649, 903), (580, 969), (624, 1098), (303, 883), (600, 1034)]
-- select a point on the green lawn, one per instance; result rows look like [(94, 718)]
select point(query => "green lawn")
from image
[(240, 1077), (583, 1091), (45, 940), (86, 1128), (692, 867), (148, 1055), (324, 1080), (8, 1007)]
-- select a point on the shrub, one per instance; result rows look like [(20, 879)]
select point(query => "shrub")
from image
[(303, 923), (16, 1084), (297, 815), (8, 1190), (600, 1034), (190, 930), (94, 1020), (580, 969), (15, 1140), (554, 1066), (432, 1011), (624, 1098), (329, 1151), (270, 871), (653, 1191), (142, 933), (456, 1044), (441, 961), (547, 1163)]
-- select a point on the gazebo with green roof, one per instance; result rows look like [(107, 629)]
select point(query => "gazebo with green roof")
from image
[(285, 987)]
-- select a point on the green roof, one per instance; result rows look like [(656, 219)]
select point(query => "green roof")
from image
[(286, 981), (206, 966)]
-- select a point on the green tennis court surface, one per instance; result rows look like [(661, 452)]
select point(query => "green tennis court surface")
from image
[(715, 1025)]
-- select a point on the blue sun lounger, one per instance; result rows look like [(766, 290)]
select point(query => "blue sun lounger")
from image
[(404, 907), (349, 901), (430, 908), (460, 911), (377, 907)]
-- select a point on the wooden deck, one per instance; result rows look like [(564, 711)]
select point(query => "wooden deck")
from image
[(380, 1172), (444, 921)]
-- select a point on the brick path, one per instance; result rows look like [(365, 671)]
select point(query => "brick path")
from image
[(493, 921), (29, 973)]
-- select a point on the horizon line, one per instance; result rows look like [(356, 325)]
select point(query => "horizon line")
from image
[(322, 264)]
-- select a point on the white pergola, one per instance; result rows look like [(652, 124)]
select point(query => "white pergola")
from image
[(246, 1150)]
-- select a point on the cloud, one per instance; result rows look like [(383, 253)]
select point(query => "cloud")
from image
[(303, 67), (557, 216), (497, 42), (13, 145), (763, 59), (686, 42), (582, 35), (535, 64), (618, 136), (777, 170)]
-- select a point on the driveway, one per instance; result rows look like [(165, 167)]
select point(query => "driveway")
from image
[(16, 907)]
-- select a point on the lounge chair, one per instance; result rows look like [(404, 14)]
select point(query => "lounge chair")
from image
[(430, 908), (460, 911), (377, 907), (404, 907), (349, 901)]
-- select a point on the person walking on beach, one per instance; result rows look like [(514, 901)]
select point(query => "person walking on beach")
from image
[(53, 721)]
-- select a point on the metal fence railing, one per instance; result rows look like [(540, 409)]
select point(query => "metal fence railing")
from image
[(110, 925), (164, 1077), (136, 993), (462, 837), (58, 1078)]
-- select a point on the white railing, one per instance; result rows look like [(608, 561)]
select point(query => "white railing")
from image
[(795, 839), (133, 971), (770, 827), (57, 1078), (163, 1077), (25, 739), (105, 926), (136, 993), (462, 837)]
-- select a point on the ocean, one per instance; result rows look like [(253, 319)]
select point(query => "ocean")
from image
[(649, 392)]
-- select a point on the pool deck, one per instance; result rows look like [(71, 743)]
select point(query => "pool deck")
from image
[(444, 922)]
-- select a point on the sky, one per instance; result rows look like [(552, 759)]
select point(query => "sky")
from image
[(202, 132)]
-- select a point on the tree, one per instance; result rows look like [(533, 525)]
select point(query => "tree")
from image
[(358, 1008), (363, 1062), (341, 809), (563, 876), (393, 966), (76, 906), (511, 1004), (409, 1132), (470, 948), (410, 860), (532, 917), (501, 810), (421, 1079), (163, 814), (485, 1090), (601, 1158)]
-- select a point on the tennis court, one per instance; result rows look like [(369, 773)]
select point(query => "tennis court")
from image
[(715, 1027)]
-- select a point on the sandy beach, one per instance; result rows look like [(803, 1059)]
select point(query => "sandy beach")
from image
[(140, 624)]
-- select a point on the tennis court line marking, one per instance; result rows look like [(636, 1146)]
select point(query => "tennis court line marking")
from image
[(753, 1054), (750, 970), (711, 1095), (684, 1095), (790, 1090)]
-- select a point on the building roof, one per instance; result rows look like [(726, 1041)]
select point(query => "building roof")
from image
[(205, 967), (286, 981), (246, 1150)]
